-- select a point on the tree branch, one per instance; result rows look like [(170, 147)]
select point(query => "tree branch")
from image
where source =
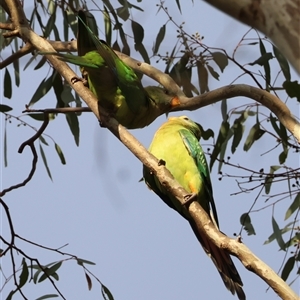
[(250, 261), (277, 19), (265, 98)]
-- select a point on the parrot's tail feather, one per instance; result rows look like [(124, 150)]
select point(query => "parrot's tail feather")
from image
[(224, 264)]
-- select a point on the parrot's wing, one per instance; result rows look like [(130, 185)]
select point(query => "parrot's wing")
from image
[(195, 150), (152, 185), (104, 50), (85, 40)]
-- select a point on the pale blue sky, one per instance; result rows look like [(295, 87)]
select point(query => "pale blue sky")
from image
[(142, 248)]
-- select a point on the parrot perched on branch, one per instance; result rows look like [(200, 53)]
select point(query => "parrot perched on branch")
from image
[(176, 143), (116, 86)]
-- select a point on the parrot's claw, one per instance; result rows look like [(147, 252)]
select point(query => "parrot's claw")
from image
[(188, 199), (101, 124), (161, 162), (83, 80)]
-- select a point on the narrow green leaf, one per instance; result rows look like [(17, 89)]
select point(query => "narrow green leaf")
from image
[(66, 26), (60, 154), (285, 229), (36, 274), (274, 125), (266, 65), (24, 274), (37, 116), (220, 59), (82, 261), (7, 84), (159, 38), (245, 221), (138, 32), (106, 293), (107, 26), (66, 95), (294, 241), (5, 145), (224, 129), (42, 90), (269, 178), (223, 149), (116, 46), (202, 77), (282, 156), (50, 25), (293, 207), (72, 120), (238, 130), (292, 89), (5, 108), (277, 233), (89, 281), (179, 67), (42, 139), (284, 65), (51, 272), (45, 161), (17, 70), (9, 297), (72, 21), (142, 50), (255, 134), (288, 267), (213, 73), (268, 183), (58, 88), (123, 13), (224, 110), (178, 5), (41, 62), (31, 59), (47, 296)]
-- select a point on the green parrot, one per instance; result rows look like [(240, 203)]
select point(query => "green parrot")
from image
[(116, 86), (176, 142)]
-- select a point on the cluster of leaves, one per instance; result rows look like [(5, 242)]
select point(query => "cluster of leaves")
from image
[(32, 271)]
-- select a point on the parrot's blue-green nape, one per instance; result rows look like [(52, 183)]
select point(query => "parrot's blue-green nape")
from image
[(116, 86), (177, 143)]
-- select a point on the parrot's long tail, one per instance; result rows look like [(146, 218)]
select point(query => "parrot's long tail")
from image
[(224, 264)]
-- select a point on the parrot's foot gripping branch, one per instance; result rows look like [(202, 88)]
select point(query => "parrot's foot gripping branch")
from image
[(188, 199)]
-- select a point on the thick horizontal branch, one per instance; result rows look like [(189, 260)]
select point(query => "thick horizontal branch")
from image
[(237, 90), (17, 55)]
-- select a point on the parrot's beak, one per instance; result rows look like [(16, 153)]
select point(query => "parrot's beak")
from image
[(175, 102)]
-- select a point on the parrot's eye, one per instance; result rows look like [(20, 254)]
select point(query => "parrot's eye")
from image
[(186, 118)]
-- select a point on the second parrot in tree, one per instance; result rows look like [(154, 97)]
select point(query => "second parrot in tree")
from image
[(116, 86), (176, 143)]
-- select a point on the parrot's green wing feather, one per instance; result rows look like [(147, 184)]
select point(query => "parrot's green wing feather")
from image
[(176, 142), (116, 86), (195, 150)]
